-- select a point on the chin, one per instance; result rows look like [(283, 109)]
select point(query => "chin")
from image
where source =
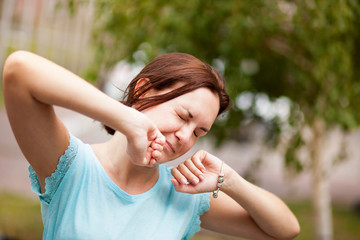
[(164, 159)]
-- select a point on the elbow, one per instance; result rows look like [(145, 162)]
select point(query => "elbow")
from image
[(13, 63), (295, 231), (291, 232), (14, 67)]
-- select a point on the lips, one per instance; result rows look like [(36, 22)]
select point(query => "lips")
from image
[(169, 147)]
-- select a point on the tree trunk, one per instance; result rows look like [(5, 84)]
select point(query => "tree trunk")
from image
[(321, 185)]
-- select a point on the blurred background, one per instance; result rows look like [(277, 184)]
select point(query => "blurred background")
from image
[(292, 70)]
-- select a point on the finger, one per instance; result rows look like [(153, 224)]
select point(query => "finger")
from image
[(194, 169), (156, 146), (148, 154), (155, 154), (198, 163), (198, 159), (185, 171), (175, 182), (178, 176), (160, 139), (152, 132), (188, 188), (153, 161)]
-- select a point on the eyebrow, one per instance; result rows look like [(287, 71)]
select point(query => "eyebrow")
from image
[(189, 113), (192, 116)]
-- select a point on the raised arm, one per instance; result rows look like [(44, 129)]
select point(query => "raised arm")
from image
[(242, 209), (32, 85)]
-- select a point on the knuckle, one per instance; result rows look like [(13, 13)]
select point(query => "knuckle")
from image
[(202, 152), (181, 166), (199, 155), (199, 152), (188, 162), (173, 171)]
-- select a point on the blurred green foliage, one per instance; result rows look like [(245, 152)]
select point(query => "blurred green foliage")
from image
[(308, 51)]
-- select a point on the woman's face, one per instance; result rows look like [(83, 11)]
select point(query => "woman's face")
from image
[(183, 120)]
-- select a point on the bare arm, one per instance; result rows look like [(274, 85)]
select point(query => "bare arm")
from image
[(32, 85), (242, 209), (252, 212)]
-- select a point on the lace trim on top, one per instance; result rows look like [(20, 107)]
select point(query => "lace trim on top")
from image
[(204, 205), (52, 182)]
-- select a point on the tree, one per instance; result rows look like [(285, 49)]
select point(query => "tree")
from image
[(307, 51)]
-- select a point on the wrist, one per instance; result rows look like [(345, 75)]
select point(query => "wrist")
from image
[(129, 121), (230, 178), (220, 181), (225, 180), (116, 116)]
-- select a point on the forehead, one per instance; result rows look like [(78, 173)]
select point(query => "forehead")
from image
[(200, 101)]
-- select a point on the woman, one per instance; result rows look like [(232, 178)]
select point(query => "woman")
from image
[(120, 189)]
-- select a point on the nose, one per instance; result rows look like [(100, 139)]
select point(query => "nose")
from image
[(184, 134)]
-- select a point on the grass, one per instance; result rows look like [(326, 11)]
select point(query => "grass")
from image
[(345, 221), (20, 219)]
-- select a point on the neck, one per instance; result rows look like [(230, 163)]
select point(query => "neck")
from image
[(131, 178)]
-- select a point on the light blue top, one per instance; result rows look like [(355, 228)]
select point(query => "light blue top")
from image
[(82, 202)]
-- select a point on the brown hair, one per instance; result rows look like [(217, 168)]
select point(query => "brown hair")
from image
[(167, 70)]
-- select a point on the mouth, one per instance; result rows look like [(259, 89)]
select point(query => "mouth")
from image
[(169, 147)]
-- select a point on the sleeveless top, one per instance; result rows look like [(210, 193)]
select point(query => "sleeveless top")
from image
[(82, 202)]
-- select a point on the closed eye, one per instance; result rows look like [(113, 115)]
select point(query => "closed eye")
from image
[(181, 117)]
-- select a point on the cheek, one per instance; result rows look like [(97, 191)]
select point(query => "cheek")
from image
[(164, 122), (154, 116), (167, 125), (187, 146)]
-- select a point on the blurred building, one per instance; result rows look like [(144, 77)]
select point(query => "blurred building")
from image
[(49, 28)]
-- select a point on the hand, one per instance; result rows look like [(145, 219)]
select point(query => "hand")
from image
[(197, 174), (145, 141)]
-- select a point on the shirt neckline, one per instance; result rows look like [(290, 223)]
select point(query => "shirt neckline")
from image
[(122, 193)]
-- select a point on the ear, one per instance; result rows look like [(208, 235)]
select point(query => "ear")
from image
[(141, 83)]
